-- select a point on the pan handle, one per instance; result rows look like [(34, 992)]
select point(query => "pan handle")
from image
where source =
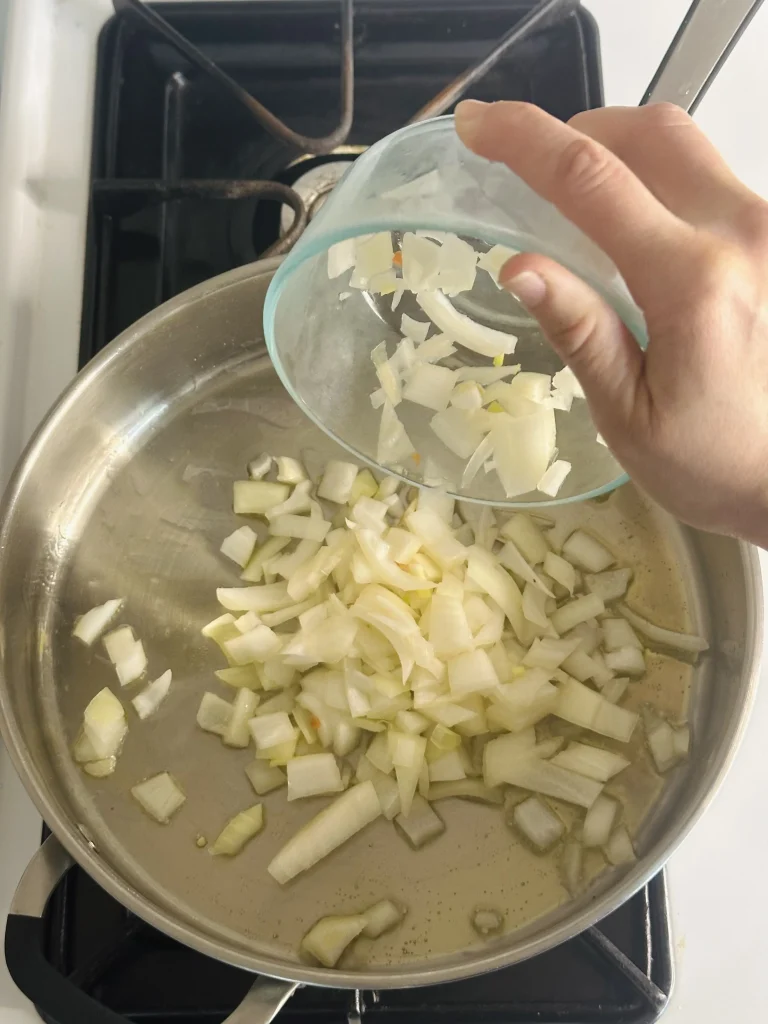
[(54, 994)]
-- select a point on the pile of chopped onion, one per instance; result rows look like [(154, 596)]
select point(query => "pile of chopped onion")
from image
[(494, 417), (393, 654)]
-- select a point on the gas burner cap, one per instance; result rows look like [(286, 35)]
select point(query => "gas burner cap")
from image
[(314, 186)]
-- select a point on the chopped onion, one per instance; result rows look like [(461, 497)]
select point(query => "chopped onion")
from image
[(312, 775), (619, 849), (448, 768), (259, 467), (528, 538), (598, 822), (538, 823), (666, 637), (681, 741), (341, 257), (618, 633), (422, 823), (436, 348), (458, 430), (238, 831), (416, 330), (421, 262), (214, 714), (614, 690), (593, 762), (257, 644), (485, 341), (150, 699), (104, 724), (239, 546), (271, 730), (493, 260), (522, 449), (548, 779), (549, 654), (581, 706), (237, 734), (534, 606), (627, 661), (572, 866), (610, 586), (102, 768), (486, 374), (298, 501), (119, 644), (430, 385), (254, 570), (580, 609), (334, 825), (133, 665), (264, 777), (289, 471), (487, 921), (337, 481), (586, 552), (302, 527), (470, 672), (328, 939), (457, 266), (394, 445), (382, 917), (159, 796), (266, 598), (373, 256), (255, 497), (511, 558), (90, 626), (554, 478)]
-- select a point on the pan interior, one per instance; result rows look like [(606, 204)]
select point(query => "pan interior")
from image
[(128, 494)]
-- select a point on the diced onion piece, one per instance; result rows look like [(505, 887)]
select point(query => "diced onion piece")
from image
[(214, 714), (486, 374), (493, 260), (572, 866), (449, 631), (104, 724), (554, 478), (688, 642), (334, 825), (255, 497), (364, 485), (289, 471), (661, 741), (576, 611), (470, 672), (254, 570), (415, 330), (337, 481), (264, 777), (524, 702), (302, 527), (312, 775), (238, 831), (394, 445), (681, 741), (618, 633), (610, 586), (373, 255), (150, 699), (593, 762), (430, 385), (467, 395), (528, 538), (299, 500), (328, 939), (534, 606), (119, 644), (341, 257), (237, 733), (133, 665), (567, 381), (382, 917), (457, 266), (586, 552), (484, 570), (159, 796), (90, 626), (599, 820), (512, 559), (240, 675), (501, 754), (581, 706), (245, 623), (271, 730), (485, 341), (458, 430), (549, 654), (538, 823), (403, 545), (548, 779), (102, 768), (266, 598), (421, 261), (614, 690), (257, 644), (421, 824), (82, 749), (466, 789), (522, 449), (239, 546), (487, 921), (259, 467), (619, 849), (448, 768), (626, 661)]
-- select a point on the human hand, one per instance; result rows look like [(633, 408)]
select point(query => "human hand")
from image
[(688, 419)]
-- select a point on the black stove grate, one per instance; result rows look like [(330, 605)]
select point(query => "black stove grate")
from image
[(174, 203)]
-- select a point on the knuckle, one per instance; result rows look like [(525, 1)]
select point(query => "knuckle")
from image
[(585, 166)]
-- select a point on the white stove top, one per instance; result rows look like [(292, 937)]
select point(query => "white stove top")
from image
[(718, 887)]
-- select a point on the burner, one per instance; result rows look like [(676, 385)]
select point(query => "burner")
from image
[(316, 180)]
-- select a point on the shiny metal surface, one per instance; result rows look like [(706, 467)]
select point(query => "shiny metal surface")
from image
[(703, 43), (126, 491)]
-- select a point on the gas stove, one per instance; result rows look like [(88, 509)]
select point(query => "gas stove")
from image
[(171, 201)]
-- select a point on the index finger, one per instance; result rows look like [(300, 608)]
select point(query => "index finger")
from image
[(588, 183)]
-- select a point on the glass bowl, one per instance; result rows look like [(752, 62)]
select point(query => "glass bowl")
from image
[(321, 329)]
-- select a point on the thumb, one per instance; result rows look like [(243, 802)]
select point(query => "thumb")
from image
[(584, 331)]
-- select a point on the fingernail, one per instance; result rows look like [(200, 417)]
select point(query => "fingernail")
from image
[(469, 115), (528, 288)]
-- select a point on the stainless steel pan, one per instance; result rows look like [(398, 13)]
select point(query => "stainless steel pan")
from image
[(126, 491)]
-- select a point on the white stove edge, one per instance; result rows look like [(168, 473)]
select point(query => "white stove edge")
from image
[(45, 128)]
